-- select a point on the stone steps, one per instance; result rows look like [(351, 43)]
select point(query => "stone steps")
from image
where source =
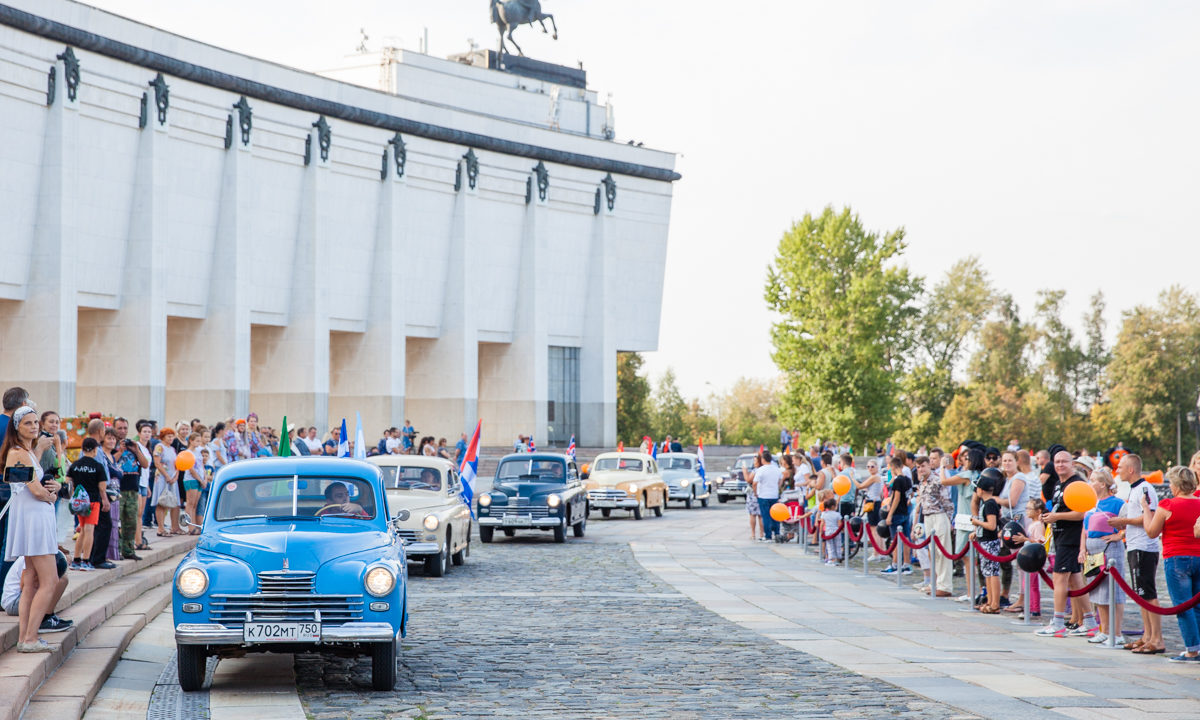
[(108, 607)]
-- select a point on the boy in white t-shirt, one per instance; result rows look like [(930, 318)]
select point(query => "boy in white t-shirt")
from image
[(828, 522)]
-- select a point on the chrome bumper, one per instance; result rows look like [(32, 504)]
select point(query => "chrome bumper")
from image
[(627, 504), (546, 522), (217, 634), (422, 548)]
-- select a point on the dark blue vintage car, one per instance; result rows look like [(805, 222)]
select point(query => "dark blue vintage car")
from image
[(296, 555), (534, 491)]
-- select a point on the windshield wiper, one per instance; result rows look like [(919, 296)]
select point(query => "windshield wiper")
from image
[(289, 518), (244, 517)]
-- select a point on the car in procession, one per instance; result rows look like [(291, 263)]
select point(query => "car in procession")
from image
[(680, 471), (438, 529), (534, 491), (296, 554), (626, 481), (733, 482)]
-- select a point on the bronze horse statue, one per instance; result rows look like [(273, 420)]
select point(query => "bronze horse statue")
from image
[(508, 14)]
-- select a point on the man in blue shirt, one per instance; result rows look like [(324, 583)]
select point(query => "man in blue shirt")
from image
[(460, 449)]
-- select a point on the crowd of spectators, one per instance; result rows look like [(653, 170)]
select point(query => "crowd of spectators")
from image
[(1003, 500)]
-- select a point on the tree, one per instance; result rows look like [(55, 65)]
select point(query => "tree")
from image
[(1004, 345), (846, 317), (750, 414), (1096, 355), (633, 391), (668, 411), (1060, 354), (1154, 374)]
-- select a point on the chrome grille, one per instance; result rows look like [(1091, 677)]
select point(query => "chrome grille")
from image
[(285, 581), (407, 535), (231, 610), (534, 511), (607, 495), (734, 484)]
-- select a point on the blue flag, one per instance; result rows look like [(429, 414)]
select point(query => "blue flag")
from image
[(343, 448)]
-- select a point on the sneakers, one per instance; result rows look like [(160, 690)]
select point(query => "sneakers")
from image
[(830, 563), (1083, 632), (81, 565), (1051, 631), (41, 646), (55, 624), (906, 570), (106, 565), (1180, 658), (889, 570), (1098, 638), (131, 556), (963, 598), (1005, 602)]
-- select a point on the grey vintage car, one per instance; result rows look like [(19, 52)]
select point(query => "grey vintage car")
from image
[(680, 471), (733, 482)]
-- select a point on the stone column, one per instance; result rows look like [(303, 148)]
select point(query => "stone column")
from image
[(368, 369), (123, 354), (289, 372), (443, 375), (598, 356), (217, 383), (40, 332)]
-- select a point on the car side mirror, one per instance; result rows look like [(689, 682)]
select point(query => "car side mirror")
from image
[(401, 516)]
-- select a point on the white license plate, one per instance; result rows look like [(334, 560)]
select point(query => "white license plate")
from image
[(282, 632), (518, 520)]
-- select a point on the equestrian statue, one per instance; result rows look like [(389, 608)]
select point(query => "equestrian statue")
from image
[(508, 14)]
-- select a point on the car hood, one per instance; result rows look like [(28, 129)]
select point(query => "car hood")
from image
[(669, 475), (414, 502), (612, 478), (527, 489), (265, 546)]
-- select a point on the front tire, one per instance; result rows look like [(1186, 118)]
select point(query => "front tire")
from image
[(485, 534), (688, 503), (437, 565), (460, 557), (605, 512), (580, 527), (704, 502), (637, 511), (658, 511), (722, 499), (560, 532), (509, 532), (383, 665), (191, 662)]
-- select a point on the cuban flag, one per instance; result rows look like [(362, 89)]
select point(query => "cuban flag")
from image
[(700, 463), (343, 449), (654, 450), (467, 470), (571, 448), (532, 446)]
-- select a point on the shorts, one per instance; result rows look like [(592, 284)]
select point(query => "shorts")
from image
[(901, 523), (989, 568), (144, 491), (14, 610), (189, 485), (1143, 567), (1066, 558), (846, 509), (873, 514), (92, 517)]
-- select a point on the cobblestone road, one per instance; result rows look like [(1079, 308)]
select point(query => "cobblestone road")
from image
[(532, 629)]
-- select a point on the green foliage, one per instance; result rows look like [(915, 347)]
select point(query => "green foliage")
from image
[(668, 411), (1004, 346), (750, 413), (633, 392), (846, 317)]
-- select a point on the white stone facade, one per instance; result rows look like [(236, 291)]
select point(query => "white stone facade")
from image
[(152, 272)]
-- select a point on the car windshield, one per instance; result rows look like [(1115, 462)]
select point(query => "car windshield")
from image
[(411, 477), (744, 462), (675, 464), (307, 497), (547, 471), (614, 463)]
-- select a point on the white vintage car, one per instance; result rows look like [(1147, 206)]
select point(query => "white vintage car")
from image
[(438, 530)]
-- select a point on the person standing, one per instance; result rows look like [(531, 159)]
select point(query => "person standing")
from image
[(933, 501), (1101, 536), (166, 490), (766, 480), (31, 534), (1066, 531), (14, 398), (785, 440), (109, 502), (1176, 520), (898, 518), (90, 475), (460, 450), (1141, 551), (756, 523), (130, 461)]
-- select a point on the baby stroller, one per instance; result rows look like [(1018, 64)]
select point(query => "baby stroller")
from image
[(789, 529)]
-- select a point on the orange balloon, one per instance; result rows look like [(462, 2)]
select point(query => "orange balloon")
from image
[(185, 460), (1080, 497), (1155, 478), (780, 512), (841, 484)]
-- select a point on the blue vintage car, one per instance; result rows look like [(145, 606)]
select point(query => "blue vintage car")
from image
[(538, 491), (680, 471), (296, 555)]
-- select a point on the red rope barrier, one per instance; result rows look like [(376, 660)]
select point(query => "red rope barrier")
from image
[(949, 555), (890, 548), (836, 531), (1144, 604), (855, 536), (914, 545), (1095, 583), (994, 558)]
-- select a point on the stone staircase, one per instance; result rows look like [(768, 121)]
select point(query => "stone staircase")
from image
[(109, 607)]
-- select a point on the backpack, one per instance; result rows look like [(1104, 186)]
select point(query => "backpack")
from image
[(81, 503)]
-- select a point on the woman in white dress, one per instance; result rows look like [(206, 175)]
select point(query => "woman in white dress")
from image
[(31, 529), (165, 498)]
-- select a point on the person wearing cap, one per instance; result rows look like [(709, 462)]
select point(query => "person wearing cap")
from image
[(987, 523)]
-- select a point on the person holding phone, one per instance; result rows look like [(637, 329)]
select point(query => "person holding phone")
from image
[(31, 532)]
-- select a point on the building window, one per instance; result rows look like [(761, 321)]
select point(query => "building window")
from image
[(562, 406)]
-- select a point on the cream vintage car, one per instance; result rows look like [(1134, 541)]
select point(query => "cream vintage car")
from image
[(438, 529), (626, 481)]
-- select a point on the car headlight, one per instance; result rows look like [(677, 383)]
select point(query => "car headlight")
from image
[(192, 582), (379, 581), (632, 488), (720, 481), (431, 522), (684, 483), (553, 500), (485, 500)]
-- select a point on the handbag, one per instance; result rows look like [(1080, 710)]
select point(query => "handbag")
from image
[(168, 498), (1094, 562)]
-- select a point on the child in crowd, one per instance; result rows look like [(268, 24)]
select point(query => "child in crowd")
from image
[(827, 523), (90, 474), (988, 524), (1035, 532)]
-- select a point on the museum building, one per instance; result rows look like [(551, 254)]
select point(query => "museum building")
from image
[(191, 232)]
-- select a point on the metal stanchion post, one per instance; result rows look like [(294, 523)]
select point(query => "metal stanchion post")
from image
[(970, 573), (1112, 606), (899, 554), (932, 569), (865, 553), (846, 543), (803, 534), (1026, 580)]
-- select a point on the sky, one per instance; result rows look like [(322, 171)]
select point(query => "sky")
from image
[(1055, 140)]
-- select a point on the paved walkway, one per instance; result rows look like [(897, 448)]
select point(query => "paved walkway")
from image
[(936, 648)]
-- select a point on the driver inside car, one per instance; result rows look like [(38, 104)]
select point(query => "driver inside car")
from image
[(337, 502)]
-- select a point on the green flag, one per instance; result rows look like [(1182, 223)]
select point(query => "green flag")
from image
[(285, 442)]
